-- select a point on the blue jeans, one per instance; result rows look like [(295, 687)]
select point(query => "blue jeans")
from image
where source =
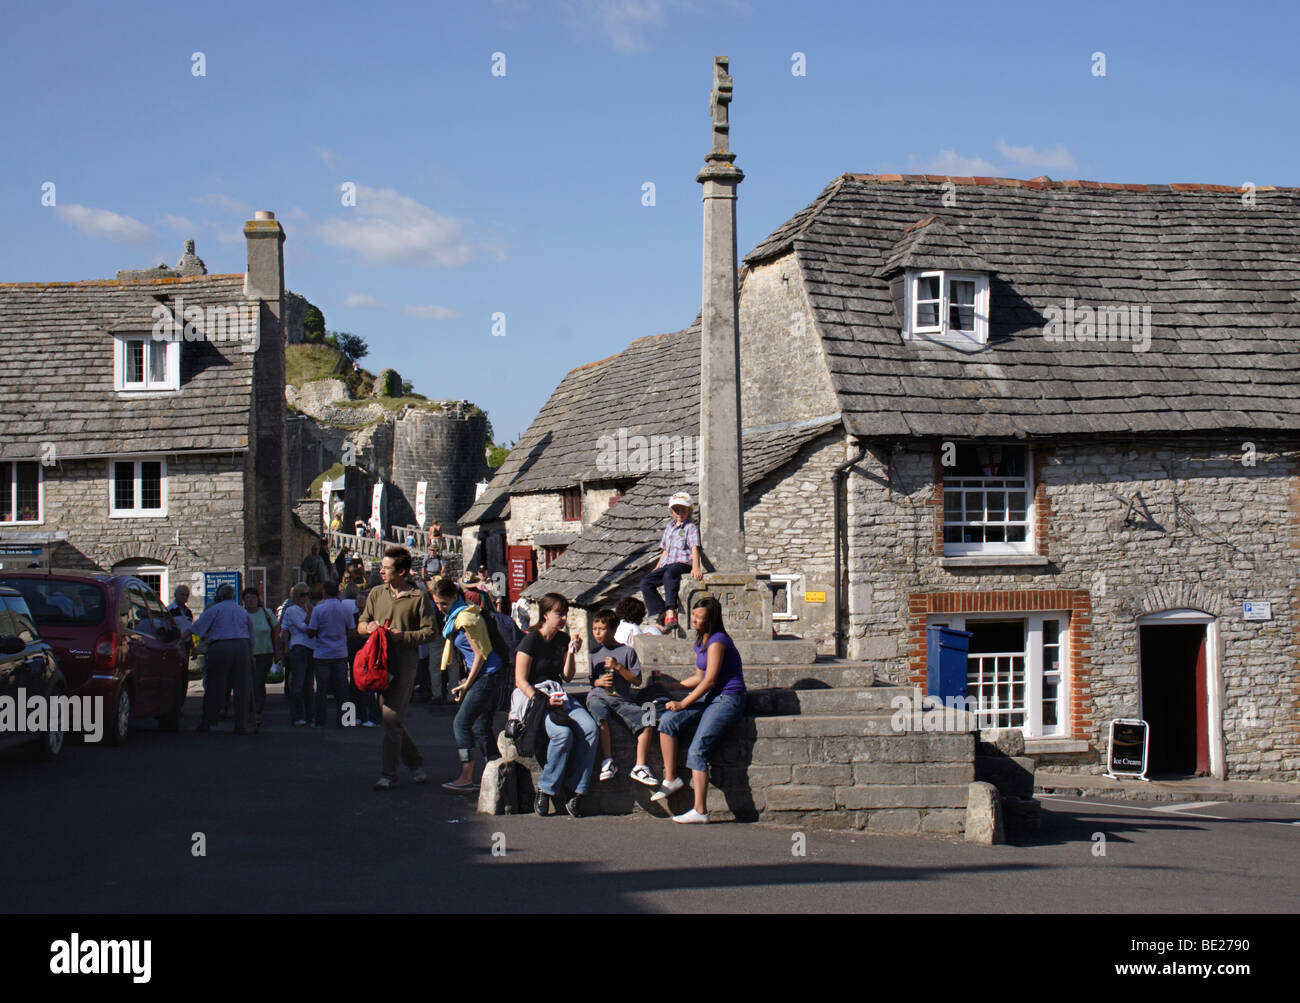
[(570, 753), (720, 714), (670, 576), (300, 682), (331, 674), (472, 725)]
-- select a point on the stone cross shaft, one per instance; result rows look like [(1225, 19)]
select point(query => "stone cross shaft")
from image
[(722, 488)]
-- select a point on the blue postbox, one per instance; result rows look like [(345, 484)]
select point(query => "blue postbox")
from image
[(945, 659)]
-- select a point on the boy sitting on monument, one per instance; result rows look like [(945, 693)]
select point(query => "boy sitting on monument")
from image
[(614, 671), (680, 553)]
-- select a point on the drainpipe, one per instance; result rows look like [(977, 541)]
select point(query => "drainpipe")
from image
[(837, 480)]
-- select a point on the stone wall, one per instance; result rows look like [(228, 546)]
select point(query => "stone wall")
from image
[(1222, 533), (446, 450), (266, 487), (783, 371), (542, 512), (789, 530), (205, 513)]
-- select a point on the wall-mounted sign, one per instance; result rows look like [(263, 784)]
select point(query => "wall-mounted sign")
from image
[(1127, 753), (814, 597), (213, 580), (1257, 609)]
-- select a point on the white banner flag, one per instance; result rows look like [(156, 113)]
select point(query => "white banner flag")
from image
[(419, 502), (376, 521), (325, 504)]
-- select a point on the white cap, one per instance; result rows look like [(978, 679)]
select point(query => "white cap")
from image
[(681, 498)]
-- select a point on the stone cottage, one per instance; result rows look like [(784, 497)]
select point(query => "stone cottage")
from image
[(144, 426), (1063, 417)]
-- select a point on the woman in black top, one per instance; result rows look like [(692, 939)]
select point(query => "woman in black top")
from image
[(547, 653)]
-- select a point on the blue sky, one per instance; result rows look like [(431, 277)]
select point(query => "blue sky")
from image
[(522, 194)]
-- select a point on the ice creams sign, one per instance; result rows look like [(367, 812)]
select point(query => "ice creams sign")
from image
[(1127, 756)]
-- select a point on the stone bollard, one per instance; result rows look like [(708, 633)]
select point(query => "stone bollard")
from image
[(984, 814), (499, 788)]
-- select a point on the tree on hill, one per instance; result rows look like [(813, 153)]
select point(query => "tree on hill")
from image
[(352, 345), (313, 323)]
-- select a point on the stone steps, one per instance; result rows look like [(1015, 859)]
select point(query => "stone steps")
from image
[(822, 745)]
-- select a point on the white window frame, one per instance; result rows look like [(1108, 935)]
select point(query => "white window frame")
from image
[(137, 494), (987, 484), (137, 568), (13, 495), (790, 581), (942, 333), (1034, 675), (121, 349)]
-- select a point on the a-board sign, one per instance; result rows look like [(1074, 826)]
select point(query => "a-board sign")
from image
[(1126, 754), (213, 580)]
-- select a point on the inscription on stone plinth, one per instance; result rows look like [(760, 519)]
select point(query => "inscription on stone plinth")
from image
[(746, 603)]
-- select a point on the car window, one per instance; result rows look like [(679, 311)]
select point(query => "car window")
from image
[(14, 623), (54, 602), (135, 614), (22, 624), (161, 618)]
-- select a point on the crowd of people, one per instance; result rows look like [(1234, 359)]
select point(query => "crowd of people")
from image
[(487, 660)]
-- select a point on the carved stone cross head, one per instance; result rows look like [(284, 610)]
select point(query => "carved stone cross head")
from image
[(719, 99)]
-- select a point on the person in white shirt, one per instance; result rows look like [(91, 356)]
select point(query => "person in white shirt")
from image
[(297, 649)]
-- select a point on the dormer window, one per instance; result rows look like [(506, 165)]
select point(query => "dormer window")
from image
[(947, 307), (144, 363)]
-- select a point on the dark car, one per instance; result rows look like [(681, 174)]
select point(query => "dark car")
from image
[(28, 667), (113, 638)]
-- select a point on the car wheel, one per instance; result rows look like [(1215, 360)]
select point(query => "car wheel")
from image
[(121, 720), (46, 749), (172, 721)]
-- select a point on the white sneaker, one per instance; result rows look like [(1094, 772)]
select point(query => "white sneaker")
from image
[(608, 769), (666, 788), (692, 816), (642, 775)]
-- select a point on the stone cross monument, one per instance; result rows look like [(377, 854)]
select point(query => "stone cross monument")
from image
[(722, 487), (746, 601), (745, 598)]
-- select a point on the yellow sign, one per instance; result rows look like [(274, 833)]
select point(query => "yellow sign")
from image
[(814, 597)]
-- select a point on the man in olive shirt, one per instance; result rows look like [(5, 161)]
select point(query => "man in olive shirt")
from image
[(411, 616)]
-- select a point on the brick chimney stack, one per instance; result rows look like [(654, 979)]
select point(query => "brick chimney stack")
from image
[(264, 276)]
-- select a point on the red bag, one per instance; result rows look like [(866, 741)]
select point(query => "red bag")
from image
[(370, 667)]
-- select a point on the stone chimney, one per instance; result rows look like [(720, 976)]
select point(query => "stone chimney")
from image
[(264, 277)]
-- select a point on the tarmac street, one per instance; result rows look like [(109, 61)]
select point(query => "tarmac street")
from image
[(286, 821)]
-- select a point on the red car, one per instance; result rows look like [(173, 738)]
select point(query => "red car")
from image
[(113, 638)]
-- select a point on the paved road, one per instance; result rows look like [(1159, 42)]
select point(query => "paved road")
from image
[(291, 824)]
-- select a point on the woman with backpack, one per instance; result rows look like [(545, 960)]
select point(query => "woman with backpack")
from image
[(547, 653), (466, 630)]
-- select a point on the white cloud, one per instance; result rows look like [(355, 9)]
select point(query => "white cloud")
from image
[(1055, 159), (432, 312), (625, 24), (390, 228), (181, 224), (953, 164), (355, 300), (331, 159), (105, 224), (225, 203)]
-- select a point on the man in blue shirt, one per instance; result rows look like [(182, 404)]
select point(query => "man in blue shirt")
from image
[(227, 629), (331, 622)]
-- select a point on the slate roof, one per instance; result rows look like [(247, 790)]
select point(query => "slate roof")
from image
[(931, 243), (615, 552), (57, 379), (1222, 281), (650, 388)]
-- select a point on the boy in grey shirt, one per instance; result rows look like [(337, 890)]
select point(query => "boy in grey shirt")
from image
[(614, 671)]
